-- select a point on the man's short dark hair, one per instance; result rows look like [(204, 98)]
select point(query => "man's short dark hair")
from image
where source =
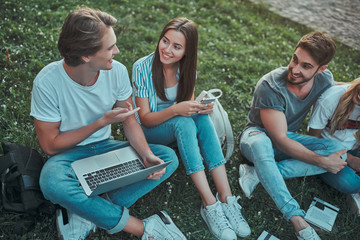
[(319, 45), (81, 34)]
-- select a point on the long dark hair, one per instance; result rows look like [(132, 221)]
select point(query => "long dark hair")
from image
[(188, 62), (344, 108)]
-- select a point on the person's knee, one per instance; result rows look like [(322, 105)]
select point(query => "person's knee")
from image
[(173, 157), (185, 125), (349, 186), (48, 183), (345, 181), (166, 154), (256, 146), (334, 145), (184, 122)]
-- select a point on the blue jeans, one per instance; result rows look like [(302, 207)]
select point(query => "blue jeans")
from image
[(195, 137), (272, 166), (60, 185), (345, 181)]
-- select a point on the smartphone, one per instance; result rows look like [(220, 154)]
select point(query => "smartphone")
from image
[(208, 100)]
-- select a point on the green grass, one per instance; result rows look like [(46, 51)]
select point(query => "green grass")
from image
[(238, 43)]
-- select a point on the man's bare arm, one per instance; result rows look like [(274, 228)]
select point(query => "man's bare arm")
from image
[(52, 141), (276, 127)]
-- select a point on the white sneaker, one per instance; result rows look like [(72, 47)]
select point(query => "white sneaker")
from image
[(308, 234), (248, 179), (216, 221), (160, 227), (354, 202), (71, 226), (232, 211)]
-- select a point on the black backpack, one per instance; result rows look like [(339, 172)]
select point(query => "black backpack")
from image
[(20, 168)]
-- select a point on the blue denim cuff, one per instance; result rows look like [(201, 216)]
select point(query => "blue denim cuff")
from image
[(297, 212), (217, 165), (122, 223)]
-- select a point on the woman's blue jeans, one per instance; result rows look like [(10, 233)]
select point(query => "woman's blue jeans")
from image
[(60, 185), (273, 166), (196, 140)]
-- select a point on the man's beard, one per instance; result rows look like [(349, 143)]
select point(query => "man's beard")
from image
[(305, 80)]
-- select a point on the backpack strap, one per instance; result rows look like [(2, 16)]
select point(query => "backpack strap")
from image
[(217, 93), (5, 162), (229, 133)]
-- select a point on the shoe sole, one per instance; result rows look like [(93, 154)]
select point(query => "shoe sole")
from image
[(204, 218), (166, 219), (207, 224), (58, 214), (354, 206), (241, 174)]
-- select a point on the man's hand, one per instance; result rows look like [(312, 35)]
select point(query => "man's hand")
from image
[(153, 160), (119, 114), (334, 163)]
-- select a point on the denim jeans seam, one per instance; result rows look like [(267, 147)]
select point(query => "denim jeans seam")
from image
[(212, 167), (197, 169)]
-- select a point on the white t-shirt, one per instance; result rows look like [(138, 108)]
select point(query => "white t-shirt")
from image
[(57, 98), (323, 111), (170, 95)]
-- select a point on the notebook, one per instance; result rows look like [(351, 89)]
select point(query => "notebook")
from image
[(267, 236), (109, 171), (322, 214)]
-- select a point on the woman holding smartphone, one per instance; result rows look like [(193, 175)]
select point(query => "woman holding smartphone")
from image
[(164, 83)]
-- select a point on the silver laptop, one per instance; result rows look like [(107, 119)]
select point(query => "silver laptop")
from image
[(109, 171)]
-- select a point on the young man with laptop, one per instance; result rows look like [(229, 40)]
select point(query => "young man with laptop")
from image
[(74, 102)]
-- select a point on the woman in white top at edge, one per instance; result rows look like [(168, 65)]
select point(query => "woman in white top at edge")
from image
[(336, 115), (164, 83)]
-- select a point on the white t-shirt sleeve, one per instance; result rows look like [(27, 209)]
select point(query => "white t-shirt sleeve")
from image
[(320, 116), (44, 101), (325, 107), (125, 89)]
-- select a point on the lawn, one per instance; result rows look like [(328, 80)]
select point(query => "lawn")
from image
[(238, 43)]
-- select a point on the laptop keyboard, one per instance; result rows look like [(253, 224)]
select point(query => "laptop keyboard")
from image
[(95, 178)]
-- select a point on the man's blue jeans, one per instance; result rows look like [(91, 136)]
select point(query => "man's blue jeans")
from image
[(195, 137), (60, 185), (273, 166)]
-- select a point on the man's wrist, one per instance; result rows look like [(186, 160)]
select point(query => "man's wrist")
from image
[(320, 161)]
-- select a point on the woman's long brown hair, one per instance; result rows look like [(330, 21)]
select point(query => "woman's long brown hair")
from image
[(344, 108), (188, 63)]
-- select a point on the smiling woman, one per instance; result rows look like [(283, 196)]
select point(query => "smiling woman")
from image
[(172, 48), (164, 83)]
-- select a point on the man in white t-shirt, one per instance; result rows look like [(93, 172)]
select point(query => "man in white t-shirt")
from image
[(74, 102)]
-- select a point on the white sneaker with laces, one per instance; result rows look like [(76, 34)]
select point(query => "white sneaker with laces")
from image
[(232, 211), (216, 221), (308, 234), (71, 226), (354, 202), (248, 179), (160, 227)]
